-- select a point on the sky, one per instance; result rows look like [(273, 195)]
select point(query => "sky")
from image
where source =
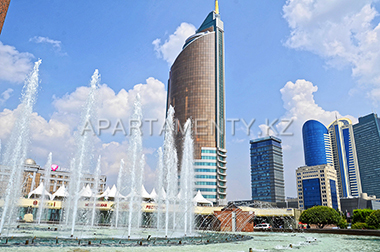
[(285, 62)]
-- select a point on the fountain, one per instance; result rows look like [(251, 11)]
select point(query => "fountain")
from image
[(135, 169), (84, 145), (46, 185), (16, 150), (96, 190), (170, 164), (187, 179)]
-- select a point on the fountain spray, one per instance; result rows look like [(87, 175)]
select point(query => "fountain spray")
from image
[(84, 146), (17, 146)]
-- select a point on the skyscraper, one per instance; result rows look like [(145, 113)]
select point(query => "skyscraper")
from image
[(345, 158), (196, 91), (367, 139), (267, 171), (4, 4), (316, 144)]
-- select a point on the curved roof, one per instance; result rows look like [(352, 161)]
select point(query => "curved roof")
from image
[(30, 161)]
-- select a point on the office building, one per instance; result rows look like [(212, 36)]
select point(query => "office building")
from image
[(316, 144), (267, 171), (196, 91), (345, 158), (367, 139), (317, 186)]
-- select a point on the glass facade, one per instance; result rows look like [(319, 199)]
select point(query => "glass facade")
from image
[(316, 143), (311, 193), (334, 194), (344, 156), (196, 91), (267, 172), (367, 139)]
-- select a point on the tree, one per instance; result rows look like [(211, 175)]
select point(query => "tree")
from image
[(360, 215), (373, 220), (320, 216)]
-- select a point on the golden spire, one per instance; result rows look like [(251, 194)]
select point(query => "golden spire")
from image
[(216, 7)]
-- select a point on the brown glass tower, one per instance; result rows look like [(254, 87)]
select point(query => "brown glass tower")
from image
[(196, 91), (4, 4)]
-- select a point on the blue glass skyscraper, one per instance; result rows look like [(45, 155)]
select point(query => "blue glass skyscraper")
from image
[(367, 139), (267, 171), (316, 143)]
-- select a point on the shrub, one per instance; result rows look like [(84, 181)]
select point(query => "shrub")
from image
[(373, 220), (342, 223), (359, 225), (360, 215)]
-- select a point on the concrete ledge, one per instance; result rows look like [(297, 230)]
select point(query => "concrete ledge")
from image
[(366, 232)]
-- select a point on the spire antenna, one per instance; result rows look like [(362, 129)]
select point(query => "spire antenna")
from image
[(216, 7)]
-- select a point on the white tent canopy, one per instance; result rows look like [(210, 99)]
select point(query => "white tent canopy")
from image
[(200, 200), (144, 193), (153, 194), (61, 193), (105, 193), (39, 191), (113, 193), (86, 192)]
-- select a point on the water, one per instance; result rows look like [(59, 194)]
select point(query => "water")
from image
[(187, 180), (135, 169), (160, 186), (171, 170), (84, 151), (46, 186), (259, 242), (119, 185), (16, 149), (96, 191)]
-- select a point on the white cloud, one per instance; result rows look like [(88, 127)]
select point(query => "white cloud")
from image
[(55, 43), (113, 106), (5, 96), (14, 65), (173, 45), (342, 31)]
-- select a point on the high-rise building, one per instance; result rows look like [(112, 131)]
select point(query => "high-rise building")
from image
[(345, 158), (367, 139), (267, 170), (4, 4), (316, 144), (317, 186), (196, 91)]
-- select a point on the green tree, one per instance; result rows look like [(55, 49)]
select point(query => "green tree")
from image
[(373, 220), (320, 216), (360, 215)]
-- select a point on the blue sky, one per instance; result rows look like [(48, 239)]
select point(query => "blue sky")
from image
[(287, 60)]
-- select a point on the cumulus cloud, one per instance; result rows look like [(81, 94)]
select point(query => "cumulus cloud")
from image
[(14, 65), (113, 106), (342, 31), (45, 40), (173, 45)]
